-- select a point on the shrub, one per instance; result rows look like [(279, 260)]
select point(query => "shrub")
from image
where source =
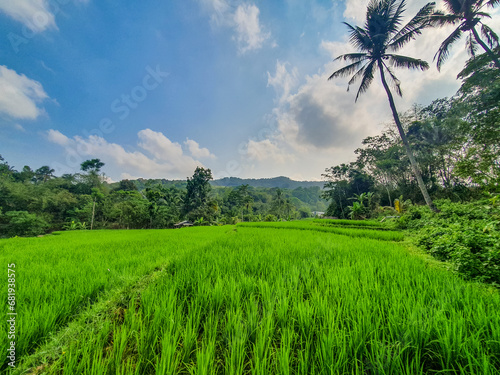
[(22, 223), (465, 234), (270, 217)]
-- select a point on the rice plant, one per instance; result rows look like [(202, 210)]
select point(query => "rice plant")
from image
[(282, 301)]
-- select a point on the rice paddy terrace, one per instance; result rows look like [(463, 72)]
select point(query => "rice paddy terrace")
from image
[(307, 297)]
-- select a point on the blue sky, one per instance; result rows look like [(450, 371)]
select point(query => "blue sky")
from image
[(156, 88)]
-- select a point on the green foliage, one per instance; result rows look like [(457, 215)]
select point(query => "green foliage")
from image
[(479, 98), (93, 165), (75, 225), (356, 211), (85, 198), (22, 223), (196, 203), (466, 235), (343, 182)]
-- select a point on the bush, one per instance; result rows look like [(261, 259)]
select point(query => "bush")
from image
[(22, 223), (466, 235), (270, 218)]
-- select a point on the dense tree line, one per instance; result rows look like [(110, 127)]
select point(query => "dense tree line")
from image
[(33, 202)]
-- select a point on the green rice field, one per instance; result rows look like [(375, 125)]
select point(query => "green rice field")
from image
[(263, 298)]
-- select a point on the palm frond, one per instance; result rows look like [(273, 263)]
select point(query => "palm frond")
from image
[(358, 37), (399, 61), (396, 16), (355, 77), (439, 19), (489, 35), (395, 82), (354, 57), (413, 28), (471, 45), (454, 6), (367, 79), (492, 3), (482, 14), (444, 50), (346, 70)]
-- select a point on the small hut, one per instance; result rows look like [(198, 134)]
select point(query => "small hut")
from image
[(183, 224)]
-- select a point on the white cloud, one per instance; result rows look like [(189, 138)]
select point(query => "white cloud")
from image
[(197, 151), (55, 136), (355, 10), (20, 95), (166, 158), (220, 11), (283, 81), (321, 115), (266, 150), (159, 146), (34, 14), (248, 31)]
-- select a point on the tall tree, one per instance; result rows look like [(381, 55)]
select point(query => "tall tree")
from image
[(44, 173), (197, 188), (243, 198), (467, 14), (381, 35), (479, 97), (92, 167), (26, 175), (5, 168), (278, 203)]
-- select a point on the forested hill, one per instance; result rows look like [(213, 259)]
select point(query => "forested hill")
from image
[(303, 194), (275, 182)]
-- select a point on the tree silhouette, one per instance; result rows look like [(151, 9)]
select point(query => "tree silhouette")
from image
[(467, 14)]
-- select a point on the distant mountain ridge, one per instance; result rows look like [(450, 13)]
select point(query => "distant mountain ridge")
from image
[(275, 182)]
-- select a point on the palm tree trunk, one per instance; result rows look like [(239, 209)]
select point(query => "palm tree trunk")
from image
[(490, 53), (406, 144)]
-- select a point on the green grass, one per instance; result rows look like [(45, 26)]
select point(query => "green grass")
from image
[(351, 223), (258, 301), (364, 232), (59, 276)]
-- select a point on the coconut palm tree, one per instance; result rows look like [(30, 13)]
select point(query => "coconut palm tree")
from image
[(44, 173), (382, 35), (467, 14)]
